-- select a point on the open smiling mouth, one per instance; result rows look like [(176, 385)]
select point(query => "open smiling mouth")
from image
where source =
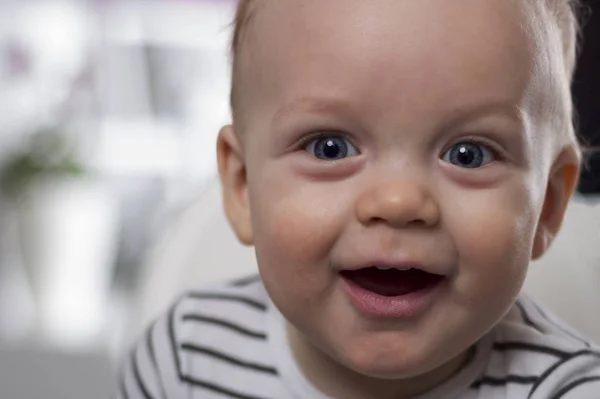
[(391, 292), (392, 282)]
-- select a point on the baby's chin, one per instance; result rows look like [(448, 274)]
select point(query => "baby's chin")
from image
[(378, 362), (391, 369)]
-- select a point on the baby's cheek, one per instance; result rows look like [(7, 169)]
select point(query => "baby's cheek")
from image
[(294, 235), (298, 228), (292, 218), (494, 250)]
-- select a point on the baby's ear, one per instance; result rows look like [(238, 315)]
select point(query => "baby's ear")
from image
[(561, 186), (232, 172)]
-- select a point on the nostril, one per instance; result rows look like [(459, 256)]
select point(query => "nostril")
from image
[(419, 223), (407, 223)]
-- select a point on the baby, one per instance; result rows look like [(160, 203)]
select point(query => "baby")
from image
[(396, 164)]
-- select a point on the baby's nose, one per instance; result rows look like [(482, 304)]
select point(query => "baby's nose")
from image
[(399, 202)]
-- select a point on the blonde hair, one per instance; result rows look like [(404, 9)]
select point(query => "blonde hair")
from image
[(564, 14), (243, 16)]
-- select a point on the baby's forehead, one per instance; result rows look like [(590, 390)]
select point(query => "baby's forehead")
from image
[(315, 42), (306, 15), (414, 53)]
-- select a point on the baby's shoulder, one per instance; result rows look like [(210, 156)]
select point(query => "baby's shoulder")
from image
[(534, 345), (213, 312), (213, 339), (531, 322), (220, 322)]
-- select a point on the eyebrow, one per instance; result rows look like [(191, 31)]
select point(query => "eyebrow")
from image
[(467, 113), (460, 115), (312, 104)]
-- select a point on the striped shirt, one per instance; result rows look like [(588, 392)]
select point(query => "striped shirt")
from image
[(229, 342)]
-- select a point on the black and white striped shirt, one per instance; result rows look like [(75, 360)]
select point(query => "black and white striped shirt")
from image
[(229, 342)]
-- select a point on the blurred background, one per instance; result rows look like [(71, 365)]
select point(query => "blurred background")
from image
[(109, 204), (109, 112)]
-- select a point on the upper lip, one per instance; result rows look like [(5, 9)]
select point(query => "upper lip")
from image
[(404, 264)]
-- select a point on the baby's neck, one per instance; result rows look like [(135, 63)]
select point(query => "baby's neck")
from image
[(336, 381)]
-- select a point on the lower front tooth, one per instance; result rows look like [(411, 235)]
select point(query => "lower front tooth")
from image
[(401, 269)]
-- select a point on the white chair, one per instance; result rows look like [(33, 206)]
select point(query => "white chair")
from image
[(200, 248), (567, 278)]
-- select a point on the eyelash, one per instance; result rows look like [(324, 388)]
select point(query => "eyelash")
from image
[(303, 142)]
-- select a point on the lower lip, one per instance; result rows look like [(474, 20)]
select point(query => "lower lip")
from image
[(396, 307)]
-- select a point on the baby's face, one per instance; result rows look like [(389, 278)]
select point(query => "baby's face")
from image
[(394, 133)]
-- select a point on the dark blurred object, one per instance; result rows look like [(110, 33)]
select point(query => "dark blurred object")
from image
[(586, 91)]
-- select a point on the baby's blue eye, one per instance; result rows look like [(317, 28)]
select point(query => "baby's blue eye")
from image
[(331, 148), (469, 155)]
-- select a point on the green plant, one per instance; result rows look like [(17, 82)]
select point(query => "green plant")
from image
[(46, 155)]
